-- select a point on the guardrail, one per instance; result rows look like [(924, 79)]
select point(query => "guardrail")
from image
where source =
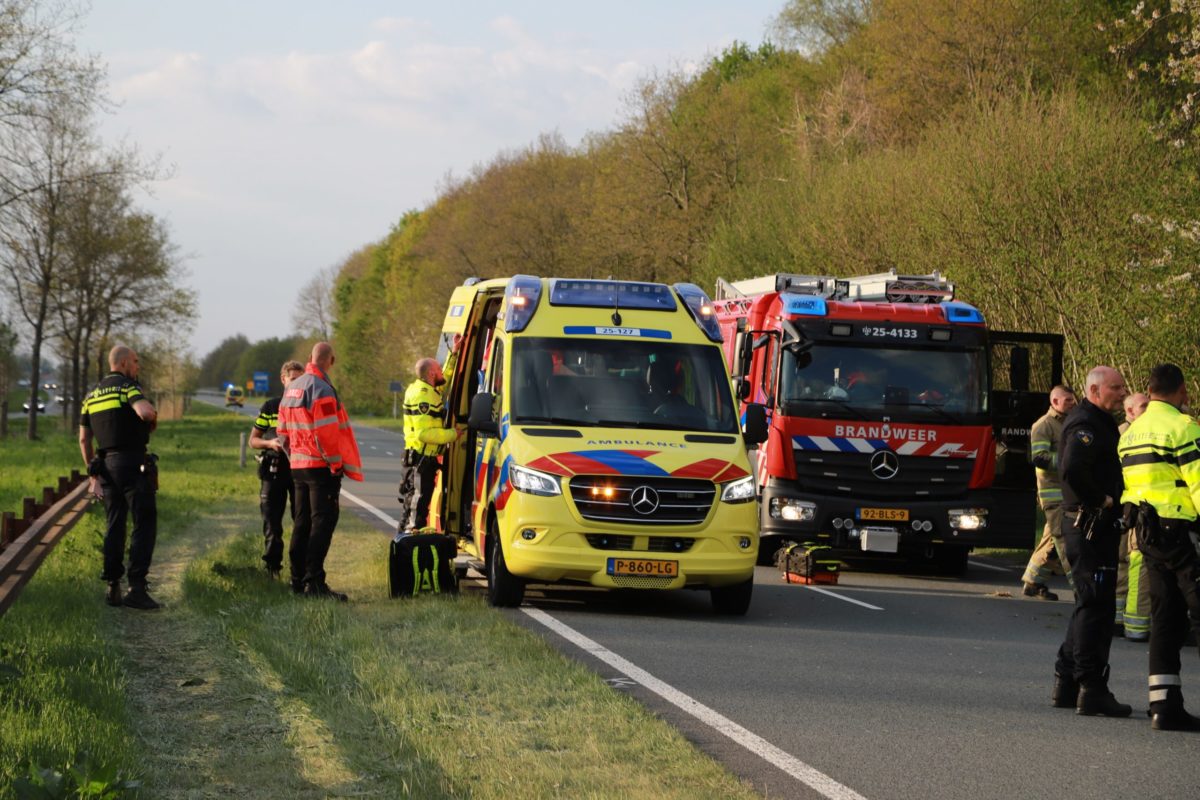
[(25, 541)]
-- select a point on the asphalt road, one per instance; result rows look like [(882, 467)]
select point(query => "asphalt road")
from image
[(939, 689)]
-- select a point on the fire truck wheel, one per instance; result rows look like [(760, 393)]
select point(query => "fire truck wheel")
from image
[(732, 600), (950, 560), (504, 590)]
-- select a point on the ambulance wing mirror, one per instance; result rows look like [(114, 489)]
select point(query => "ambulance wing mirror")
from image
[(754, 429), (480, 419)]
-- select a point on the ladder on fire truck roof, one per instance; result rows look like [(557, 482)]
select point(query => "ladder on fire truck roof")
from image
[(883, 287)]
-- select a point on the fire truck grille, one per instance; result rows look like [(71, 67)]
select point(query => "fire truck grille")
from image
[(642, 500), (849, 474)]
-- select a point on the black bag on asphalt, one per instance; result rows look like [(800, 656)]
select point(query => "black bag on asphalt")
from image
[(422, 563)]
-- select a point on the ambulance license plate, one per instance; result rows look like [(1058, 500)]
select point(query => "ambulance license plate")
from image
[(883, 514), (642, 568)]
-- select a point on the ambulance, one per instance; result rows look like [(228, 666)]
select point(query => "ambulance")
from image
[(601, 443)]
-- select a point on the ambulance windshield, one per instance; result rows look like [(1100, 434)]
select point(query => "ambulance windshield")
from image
[(855, 382), (620, 383)]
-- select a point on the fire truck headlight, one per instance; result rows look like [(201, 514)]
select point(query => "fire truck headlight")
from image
[(793, 510), (968, 519), (531, 481), (739, 491)]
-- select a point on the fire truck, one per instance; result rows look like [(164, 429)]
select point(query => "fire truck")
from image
[(898, 422)]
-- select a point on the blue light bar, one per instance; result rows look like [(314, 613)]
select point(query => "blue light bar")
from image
[(803, 304), (611, 294), (520, 301), (963, 312), (700, 307)]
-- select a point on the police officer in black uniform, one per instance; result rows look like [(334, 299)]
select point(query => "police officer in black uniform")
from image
[(1091, 477), (122, 473), (275, 473)]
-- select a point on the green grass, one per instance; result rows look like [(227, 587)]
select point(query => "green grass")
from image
[(386, 423), (239, 687), (28, 466)]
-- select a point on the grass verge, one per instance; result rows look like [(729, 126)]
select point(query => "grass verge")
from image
[(239, 687)]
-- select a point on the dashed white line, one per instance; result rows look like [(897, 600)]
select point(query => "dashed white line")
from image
[(809, 776), (388, 453), (842, 597), (993, 567)]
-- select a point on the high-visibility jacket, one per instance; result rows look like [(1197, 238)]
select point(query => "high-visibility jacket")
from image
[(423, 412), (1045, 441), (1160, 459), (317, 427)]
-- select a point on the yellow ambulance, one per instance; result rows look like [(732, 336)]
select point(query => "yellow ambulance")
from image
[(601, 441)]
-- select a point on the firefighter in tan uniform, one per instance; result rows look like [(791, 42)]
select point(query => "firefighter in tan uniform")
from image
[(1045, 439), (1132, 618)]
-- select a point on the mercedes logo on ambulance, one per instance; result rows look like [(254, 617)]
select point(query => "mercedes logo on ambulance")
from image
[(885, 464), (644, 500)]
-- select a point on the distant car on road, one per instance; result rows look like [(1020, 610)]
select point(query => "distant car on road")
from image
[(40, 406), (234, 397)]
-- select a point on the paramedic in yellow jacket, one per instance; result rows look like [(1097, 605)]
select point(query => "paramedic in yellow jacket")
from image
[(1044, 446), (424, 436)]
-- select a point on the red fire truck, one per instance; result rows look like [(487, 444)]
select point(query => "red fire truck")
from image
[(899, 423)]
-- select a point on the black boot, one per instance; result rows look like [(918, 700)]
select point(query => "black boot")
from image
[(113, 595), (297, 586), (138, 597), (323, 590), (1065, 692), (1039, 590), (1175, 719), (1098, 701)]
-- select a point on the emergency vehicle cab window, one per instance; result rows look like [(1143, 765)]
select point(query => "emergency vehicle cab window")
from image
[(848, 381), (620, 383)]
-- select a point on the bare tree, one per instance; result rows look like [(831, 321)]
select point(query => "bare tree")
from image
[(314, 313)]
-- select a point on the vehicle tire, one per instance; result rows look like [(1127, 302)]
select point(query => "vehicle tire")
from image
[(504, 590), (951, 560), (732, 600)]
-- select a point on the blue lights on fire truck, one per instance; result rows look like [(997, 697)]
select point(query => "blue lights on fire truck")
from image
[(962, 312), (805, 305)]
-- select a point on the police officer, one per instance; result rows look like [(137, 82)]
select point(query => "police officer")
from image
[(1132, 619), (274, 472), (424, 436), (1160, 455), (120, 418), (1045, 443), (1091, 476)]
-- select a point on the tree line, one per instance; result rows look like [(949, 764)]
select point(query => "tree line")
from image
[(1041, 153), (81, 265)]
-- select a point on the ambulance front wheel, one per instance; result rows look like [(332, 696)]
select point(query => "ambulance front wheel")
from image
[(732, 600), (504, 589)]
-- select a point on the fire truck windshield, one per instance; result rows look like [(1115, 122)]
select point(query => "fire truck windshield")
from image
[(851, 381), (621, 383)]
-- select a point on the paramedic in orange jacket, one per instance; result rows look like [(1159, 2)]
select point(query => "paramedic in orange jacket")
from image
[(321, 448)]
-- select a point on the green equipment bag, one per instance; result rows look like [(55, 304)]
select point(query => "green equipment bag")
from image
[(422, 564)]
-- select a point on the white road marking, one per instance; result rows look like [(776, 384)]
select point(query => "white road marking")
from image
[(388, 453), (395, 523), (809, 776), (842, 597), (982, 565)]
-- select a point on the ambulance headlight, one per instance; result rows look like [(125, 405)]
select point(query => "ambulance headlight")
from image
[(793, 510), (531, 481), (968, 519), (739, 491)]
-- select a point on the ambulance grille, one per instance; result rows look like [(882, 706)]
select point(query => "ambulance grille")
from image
[(655, 544), (611, 498)]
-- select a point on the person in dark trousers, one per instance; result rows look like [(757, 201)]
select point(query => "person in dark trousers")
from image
[(424, 435), (120, 418), (322, 449), (275, 473), (1160, 454), (1091, 481)]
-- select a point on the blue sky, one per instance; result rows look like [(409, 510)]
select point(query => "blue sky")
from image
[(300, 131)]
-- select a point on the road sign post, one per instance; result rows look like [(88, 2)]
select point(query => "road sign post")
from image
[(396, 388)]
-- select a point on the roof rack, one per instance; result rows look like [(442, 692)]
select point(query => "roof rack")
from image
[(883, 287)]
